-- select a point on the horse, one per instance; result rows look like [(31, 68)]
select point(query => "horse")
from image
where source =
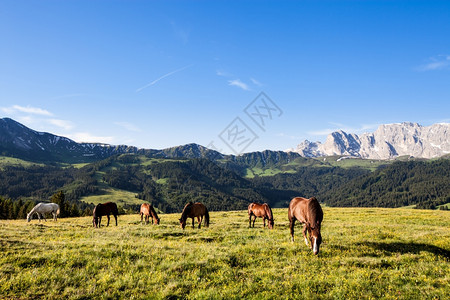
[(102, 210), (44, 208), (262, 211), (192, 210), (148, 210), (310, 214)]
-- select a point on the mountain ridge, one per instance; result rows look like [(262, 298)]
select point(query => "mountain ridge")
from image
[(387, 142)]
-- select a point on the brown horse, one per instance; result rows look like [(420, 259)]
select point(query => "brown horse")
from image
[(104, 209), (261, 211), (310, 214), (147, 210), (192, 210)]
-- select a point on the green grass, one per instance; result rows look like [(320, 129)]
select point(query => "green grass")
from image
[(120, 197), (16, 162), (367, 253)]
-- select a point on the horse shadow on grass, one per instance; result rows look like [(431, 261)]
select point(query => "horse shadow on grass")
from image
[(408, 248)]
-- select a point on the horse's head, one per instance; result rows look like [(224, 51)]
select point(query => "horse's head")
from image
[(157, 221), (315, 238), (182, 223), (29, 216), (95, 222), (271, 223)]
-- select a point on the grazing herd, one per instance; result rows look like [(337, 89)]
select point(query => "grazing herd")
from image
[(307, 211)]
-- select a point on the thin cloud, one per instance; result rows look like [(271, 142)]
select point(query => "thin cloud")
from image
[(348, 129), (223, 73), (26, 109), (256, 82), (67, 125), (238, 83), (439, 62), (85, 137), (128, 126), (162, 77)]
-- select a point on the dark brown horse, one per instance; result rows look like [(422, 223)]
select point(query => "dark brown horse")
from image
[(192, 210), (261, 211), (310, 214), (104, 209), (147, 210)]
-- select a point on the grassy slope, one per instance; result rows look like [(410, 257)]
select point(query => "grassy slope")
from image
[(367, 253), (330, 161)]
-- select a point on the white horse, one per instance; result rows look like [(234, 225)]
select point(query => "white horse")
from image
[(44, 208)]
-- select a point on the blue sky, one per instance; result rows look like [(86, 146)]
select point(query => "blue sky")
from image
[(156, 74)]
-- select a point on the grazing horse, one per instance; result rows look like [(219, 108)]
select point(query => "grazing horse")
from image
[(310, 214), (262, 211), (192, 210), (147, 210), (102, 210), (44, 208)]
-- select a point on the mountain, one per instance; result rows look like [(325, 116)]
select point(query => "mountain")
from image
[(387, 142), (17, 140)]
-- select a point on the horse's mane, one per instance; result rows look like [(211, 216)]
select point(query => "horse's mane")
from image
[(186, 210), (94, 212), (153, 212), (269, 211), (315, 211)]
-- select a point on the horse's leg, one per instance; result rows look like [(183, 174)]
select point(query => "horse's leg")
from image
[(291, 227), (304, 235), (99, 221), (142, 217), (264, 219), (199, 220), (108, 220), (193, 222), (43, 216), (115, 217), (254, 219), (249, 221)]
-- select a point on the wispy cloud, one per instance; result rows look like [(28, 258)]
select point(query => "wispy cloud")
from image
[(128, 126), (64, 124), (223, 73), (86, 137), (238, 83), (348, 129), (162, 77), (26, 109), (439, 62), (181, 33), (255, 82)]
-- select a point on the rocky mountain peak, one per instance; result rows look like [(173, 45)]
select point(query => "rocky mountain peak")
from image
[(387, 142)]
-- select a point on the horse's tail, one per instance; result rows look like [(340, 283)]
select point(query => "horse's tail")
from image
[(58, 211), (206, 217)]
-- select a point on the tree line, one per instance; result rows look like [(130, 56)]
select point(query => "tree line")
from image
[(168, 184)]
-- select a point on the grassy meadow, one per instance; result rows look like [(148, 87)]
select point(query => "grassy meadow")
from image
[(367, 253)]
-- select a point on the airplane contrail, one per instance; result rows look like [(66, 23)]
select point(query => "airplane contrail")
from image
[(162, 77)]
